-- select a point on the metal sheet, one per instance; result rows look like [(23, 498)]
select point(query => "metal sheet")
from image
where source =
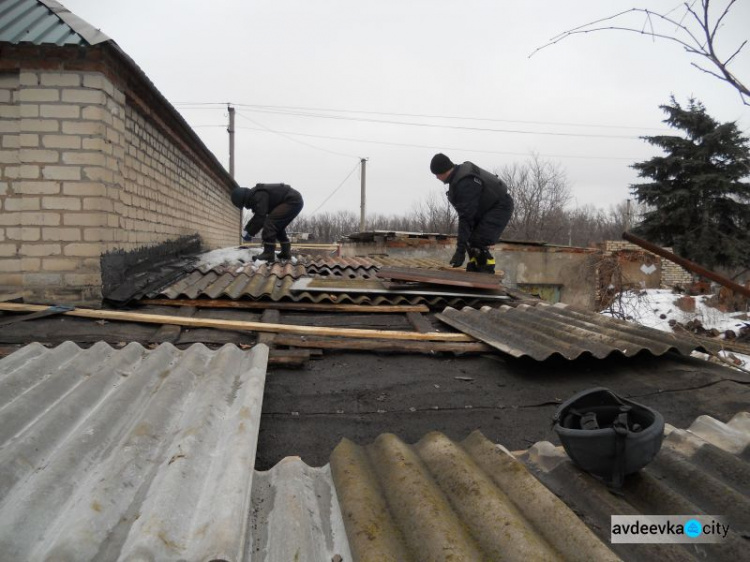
[(545, 330), (456, 278), (44, 22), (122, 453), (690, 476)]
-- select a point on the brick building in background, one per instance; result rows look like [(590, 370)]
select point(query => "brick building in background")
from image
[(98, 172)]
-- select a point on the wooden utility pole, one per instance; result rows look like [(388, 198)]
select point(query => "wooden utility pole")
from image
[(363, 162)]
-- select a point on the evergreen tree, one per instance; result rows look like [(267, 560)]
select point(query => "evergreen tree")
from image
[(697, 202)]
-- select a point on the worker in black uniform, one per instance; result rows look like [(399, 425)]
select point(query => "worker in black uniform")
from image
[(484, 208), (274, 206)]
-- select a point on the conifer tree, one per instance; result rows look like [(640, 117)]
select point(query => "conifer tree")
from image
[(697, 200)]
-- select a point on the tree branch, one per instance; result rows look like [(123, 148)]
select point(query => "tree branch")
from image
[(691, 44)]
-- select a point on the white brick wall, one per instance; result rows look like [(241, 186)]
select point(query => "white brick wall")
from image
[(671, 273), (83, 173)]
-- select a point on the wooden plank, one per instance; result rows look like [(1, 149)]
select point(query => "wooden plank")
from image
[(246, 326), (322, 342), (293, 357), (171, 332), (318, 307), (419, 322), (455, 278), (269, 317)]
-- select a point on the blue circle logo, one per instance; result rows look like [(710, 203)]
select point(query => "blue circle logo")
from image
[(693, 528)]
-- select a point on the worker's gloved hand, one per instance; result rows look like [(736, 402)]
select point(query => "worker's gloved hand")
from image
[(458, 258), (246, 237)]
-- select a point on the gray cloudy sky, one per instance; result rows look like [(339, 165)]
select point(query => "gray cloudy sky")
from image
[(317, 84)]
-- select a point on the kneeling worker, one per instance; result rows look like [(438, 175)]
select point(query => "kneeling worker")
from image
[(484, 208), (274, 206)]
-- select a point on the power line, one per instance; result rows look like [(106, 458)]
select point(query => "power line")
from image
[(405, 145), (295, 140), (440, 126), (286, 109), (335, 190)]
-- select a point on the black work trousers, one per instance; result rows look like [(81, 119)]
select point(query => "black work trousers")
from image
[(274, 228)]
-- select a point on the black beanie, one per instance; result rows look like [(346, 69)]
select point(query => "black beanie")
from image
[(440, 164)]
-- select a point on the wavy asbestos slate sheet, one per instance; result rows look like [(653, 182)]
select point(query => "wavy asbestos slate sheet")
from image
[(544, 330), (129, 453)]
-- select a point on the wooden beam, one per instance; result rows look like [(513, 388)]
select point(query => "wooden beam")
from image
[(245, 326), (324, 307), (318, 342), (269, 317), (419, 322), (171, 332)]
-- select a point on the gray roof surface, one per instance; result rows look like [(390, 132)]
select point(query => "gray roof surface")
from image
[(108, 453), (276, 282), (44, 22), (135, 453)]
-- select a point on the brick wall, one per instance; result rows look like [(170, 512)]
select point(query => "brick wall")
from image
[(671, 273), (85, 172)]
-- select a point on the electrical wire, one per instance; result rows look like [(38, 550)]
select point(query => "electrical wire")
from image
[(287, 109), (443, 126), (335, 190), (268, 129), (457, 149)]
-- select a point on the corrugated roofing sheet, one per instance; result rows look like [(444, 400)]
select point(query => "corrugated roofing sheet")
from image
[(276, 283), (128, 453), (442, 500), (702, 470), (545, 330), (137, 454), (44, 22), (296, 515)]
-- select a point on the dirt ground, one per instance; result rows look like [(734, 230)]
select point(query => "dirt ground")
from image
[(306, 412)]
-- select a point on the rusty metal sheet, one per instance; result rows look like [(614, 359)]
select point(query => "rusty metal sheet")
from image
[(544, 330), (454, 278)]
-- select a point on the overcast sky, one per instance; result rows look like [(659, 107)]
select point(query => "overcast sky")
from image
[(319, 84)]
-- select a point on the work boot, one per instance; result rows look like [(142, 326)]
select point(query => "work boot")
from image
[(286, 251), (481, 261), (268, 255)]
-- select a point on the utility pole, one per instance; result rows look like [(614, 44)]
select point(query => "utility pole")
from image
[(363, 172), (230, 130)]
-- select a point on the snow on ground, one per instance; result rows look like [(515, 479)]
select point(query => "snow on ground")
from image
[(655, 308), (231, 257)]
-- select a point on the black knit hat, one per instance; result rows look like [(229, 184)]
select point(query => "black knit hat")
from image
[(440, 164)]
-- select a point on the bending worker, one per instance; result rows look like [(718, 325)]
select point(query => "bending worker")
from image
[(274, 206), (484, 208)]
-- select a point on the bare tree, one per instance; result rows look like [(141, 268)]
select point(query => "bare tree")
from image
[(540, 193), (695, 30), (434, 214)]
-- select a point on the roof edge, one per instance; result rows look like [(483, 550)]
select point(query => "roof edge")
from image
[(83, 28)]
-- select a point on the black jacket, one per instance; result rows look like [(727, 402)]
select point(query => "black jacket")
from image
[(474, 192), (261, 200)]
